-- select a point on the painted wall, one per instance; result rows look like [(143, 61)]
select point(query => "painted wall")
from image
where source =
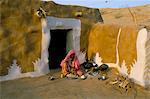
[(140, 70), (123, 48), (103, 39)]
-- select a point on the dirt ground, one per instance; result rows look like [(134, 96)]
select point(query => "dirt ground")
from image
[(127, 16), (91, 88)]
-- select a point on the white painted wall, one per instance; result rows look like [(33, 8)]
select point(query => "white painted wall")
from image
[(52, 23), (69, 43), (137, 72)]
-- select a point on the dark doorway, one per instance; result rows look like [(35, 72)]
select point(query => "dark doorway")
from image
[(57, 47)]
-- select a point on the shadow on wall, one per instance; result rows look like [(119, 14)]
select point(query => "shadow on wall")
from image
[(85, 33)]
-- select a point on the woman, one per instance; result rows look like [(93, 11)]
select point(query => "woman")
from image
[(71, 66)]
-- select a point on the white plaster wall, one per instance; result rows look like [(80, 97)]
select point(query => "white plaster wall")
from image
[(66, 23), (52, 23), (69, 42), (44, 68)]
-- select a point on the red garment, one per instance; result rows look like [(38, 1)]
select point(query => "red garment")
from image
[(75, 62)]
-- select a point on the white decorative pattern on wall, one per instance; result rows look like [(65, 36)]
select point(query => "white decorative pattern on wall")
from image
[(98, 59), (14, 72)]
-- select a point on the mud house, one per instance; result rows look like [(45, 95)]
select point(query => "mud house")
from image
[(35, 36), (38, 32), (123, 47)]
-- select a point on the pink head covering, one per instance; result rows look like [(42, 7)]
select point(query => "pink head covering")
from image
[(75, 61)]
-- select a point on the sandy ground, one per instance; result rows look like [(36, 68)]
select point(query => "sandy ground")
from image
[(127, 16), (91, 88)]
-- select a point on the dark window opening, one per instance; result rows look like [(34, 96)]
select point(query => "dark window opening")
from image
[(57, 47)]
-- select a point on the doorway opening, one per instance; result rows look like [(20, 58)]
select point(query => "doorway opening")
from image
[(72, 41), (57, 47)]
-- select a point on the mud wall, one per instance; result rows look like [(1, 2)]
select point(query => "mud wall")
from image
[(103, 39), (20, 31), (20, 34), (87, 16)]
